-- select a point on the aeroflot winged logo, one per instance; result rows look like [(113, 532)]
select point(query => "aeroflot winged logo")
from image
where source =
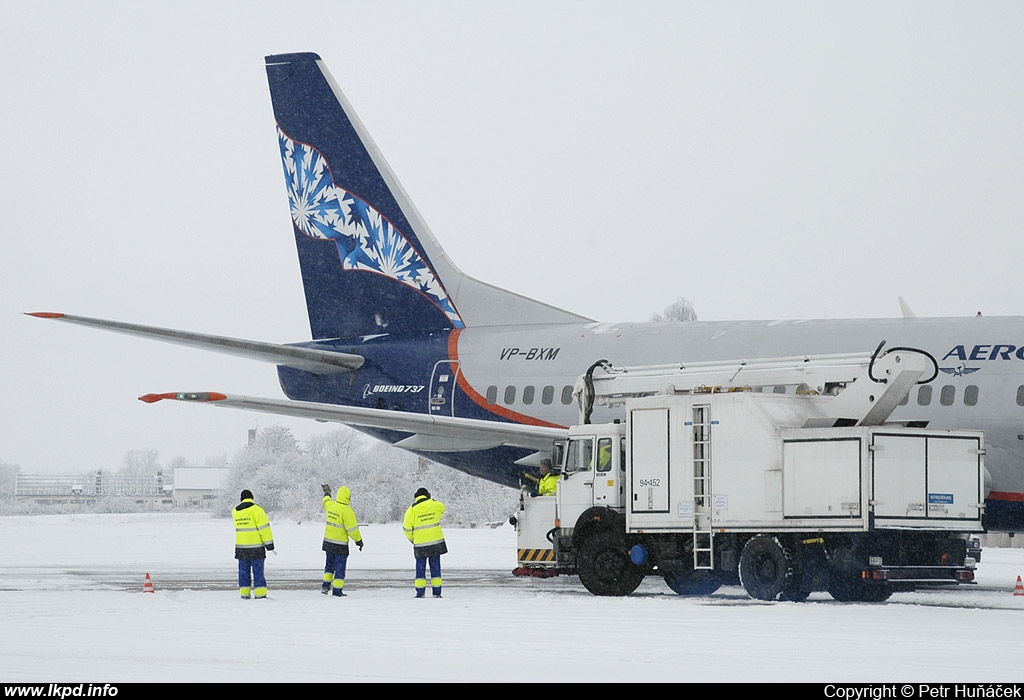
[(365, 239), (979, 353)]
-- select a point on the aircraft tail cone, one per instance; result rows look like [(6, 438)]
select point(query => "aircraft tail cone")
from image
[(1019, 590), (147, 587)]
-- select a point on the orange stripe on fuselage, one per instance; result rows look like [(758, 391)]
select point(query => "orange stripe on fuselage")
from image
[(1005, 496), (481, 401)]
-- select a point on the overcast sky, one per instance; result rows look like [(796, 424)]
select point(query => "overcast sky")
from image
[(781, 160)]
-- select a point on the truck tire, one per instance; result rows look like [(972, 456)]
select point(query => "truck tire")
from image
[(766, 569), (845, 588), (604, 566), (692, 583)]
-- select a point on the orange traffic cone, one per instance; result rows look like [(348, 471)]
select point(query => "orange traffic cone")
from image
[(1019, 590), (148, 586)]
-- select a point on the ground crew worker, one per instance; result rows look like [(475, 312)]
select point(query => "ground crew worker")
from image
[(548, 483), (545, 471), (422, 526), (253, 539), (342, 525)]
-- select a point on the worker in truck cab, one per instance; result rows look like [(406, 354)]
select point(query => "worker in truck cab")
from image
[(548, 483), (604, 455)]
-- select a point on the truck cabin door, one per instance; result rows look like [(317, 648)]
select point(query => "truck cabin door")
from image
[(608, 477), (576, 487)]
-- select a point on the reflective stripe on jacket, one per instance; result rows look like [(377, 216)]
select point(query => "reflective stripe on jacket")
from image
[(253, 536), (422, 527), (342, 523)]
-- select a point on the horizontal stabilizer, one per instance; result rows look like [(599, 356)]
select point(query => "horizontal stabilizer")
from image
[(303, 358), (428, 433)]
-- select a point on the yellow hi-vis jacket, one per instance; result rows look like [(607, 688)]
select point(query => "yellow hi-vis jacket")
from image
[(253, 536), (422, 526), (547, 485), (342, 523)]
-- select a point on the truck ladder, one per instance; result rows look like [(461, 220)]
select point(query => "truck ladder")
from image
[(703, 551)]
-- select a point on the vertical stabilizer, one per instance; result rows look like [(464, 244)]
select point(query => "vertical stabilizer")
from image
[(369, 264)]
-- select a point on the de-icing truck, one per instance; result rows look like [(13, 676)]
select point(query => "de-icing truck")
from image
[(779, 475)]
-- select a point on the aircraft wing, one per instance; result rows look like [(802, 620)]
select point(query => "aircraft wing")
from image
[(304, 358), (428, 433)]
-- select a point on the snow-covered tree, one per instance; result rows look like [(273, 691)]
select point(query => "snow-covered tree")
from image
[(271, 466), (8, 481), (285, 479), (336, 446), (140, 463), (682, 310)]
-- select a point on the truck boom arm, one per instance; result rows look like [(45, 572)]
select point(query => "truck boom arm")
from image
[(863, 388)]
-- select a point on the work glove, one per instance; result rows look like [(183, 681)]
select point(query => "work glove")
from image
[(326, 489), (360, 545)]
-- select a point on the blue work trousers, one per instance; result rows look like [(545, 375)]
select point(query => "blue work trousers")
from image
[(435, 575), (334, 573), (251, 579)]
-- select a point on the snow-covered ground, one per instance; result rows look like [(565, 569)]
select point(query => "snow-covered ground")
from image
[(72, 609)]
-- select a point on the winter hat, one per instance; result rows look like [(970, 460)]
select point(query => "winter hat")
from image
[(246, 494), (421, 492)]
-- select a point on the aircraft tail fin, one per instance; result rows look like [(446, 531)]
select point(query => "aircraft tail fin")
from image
[(369, 263), (905, 308)]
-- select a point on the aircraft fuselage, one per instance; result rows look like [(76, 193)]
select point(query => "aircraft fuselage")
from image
[(525, 374)]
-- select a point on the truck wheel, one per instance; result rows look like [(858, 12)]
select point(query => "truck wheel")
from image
[(765, 568), (872, 593), (604, 567), (795, 595), (846, 589), (692, 583), (840, 586)]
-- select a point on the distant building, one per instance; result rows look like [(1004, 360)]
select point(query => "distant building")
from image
[(191, 487), (84, 490), (198, 487)]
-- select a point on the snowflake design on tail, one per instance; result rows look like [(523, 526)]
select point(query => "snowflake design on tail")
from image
[(365, 239)]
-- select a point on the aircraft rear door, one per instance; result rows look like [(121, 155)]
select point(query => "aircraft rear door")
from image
[(442, 388)]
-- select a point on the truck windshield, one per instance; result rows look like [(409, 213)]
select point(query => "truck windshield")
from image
[(580, 455)]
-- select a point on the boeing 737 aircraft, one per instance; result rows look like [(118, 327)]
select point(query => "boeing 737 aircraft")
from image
[(412, 351)]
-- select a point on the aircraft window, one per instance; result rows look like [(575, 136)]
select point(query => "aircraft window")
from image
[(528, 394), (548, 395), (971, 395), (1020, 396), (604, 455), (492, 395), (947, 395), (510, 395), (566, 395), (906, 400), (779, 390), (924, 395), (579, 457)]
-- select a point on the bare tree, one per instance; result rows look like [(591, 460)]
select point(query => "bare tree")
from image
[(682, 310), (140, 463), (8, 481)]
